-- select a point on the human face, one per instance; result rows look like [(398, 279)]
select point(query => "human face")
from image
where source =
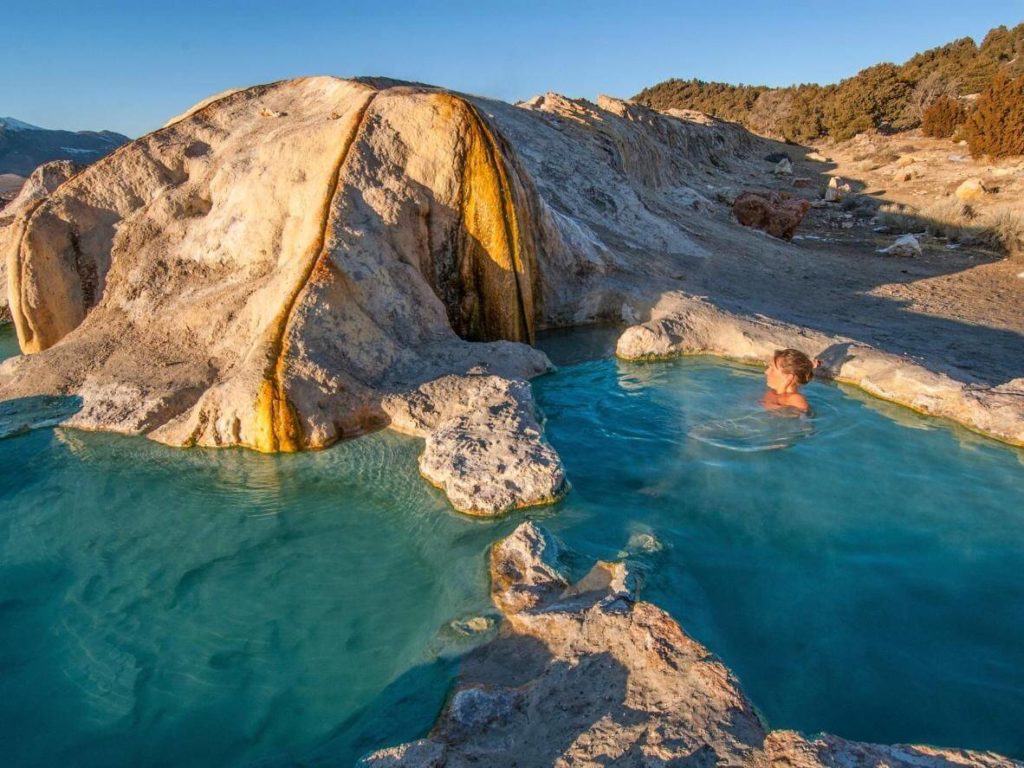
[(777, 379)]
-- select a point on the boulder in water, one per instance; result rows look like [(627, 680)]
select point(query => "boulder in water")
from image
[(484, 445)]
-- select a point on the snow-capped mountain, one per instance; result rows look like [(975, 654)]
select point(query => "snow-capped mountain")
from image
[(23, 146), (12, 124)]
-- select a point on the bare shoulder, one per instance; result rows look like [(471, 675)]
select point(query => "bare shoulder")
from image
[(798, 401)]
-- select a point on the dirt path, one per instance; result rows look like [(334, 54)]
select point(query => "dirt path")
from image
[(956, 307)]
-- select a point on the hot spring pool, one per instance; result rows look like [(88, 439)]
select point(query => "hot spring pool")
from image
[(194, 607)]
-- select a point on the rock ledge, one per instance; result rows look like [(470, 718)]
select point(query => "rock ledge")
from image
[(686, 325)]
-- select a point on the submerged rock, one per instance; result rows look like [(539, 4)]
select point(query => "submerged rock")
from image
[(475, 625), (641, 543), (587, 675)]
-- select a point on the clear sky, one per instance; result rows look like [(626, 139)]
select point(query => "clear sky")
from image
[(128, 66)]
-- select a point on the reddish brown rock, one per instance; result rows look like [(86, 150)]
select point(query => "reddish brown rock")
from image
[(778, 214)]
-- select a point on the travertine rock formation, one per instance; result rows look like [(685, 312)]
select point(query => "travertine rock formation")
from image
[(684, 325), (37, 186), (257, 272), (484, 445), (586, 675), (265, 268), (268, 267)]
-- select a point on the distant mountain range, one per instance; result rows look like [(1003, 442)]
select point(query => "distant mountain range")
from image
[(24, 147)]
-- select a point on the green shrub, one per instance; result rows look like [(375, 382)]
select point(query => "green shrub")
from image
[(885, 97), (942, 118), (996, 124)]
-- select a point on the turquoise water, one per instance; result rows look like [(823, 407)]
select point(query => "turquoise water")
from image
[(864, 580), (8, 341), (859, 571)]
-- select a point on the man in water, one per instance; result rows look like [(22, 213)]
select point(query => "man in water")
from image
[(788, 370)]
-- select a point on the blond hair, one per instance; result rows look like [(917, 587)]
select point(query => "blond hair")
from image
[(795, 363)]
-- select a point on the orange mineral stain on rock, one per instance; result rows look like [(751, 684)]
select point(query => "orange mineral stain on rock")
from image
[(496, 251), (278, 424)]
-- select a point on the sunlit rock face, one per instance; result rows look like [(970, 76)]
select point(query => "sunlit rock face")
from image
[(267, 267), (256, 272), (13, 217)]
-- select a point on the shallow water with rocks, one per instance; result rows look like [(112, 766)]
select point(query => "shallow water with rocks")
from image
[(858, 570)]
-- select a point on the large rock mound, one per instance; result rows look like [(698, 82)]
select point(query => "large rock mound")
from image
[(587, 675), (267, 267), (255, 273)]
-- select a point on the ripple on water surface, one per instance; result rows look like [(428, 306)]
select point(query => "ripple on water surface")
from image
[(217, 607), (197, 607)]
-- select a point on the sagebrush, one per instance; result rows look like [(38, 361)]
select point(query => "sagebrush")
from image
[(942, 118), (995, 126), (886, 97)]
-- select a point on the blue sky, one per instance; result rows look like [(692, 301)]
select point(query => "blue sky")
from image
[(128, 66)]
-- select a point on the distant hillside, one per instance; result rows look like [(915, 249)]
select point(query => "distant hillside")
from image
[(24, 147), (888, 97)]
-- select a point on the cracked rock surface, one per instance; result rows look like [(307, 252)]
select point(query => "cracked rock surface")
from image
[(484, 443)]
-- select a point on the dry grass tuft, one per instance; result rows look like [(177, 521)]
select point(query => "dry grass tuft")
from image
[(1004, 229), (900, 218), (949, 218), (1001, 229)]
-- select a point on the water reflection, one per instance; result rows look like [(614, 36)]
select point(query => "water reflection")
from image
[(23, 414)]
